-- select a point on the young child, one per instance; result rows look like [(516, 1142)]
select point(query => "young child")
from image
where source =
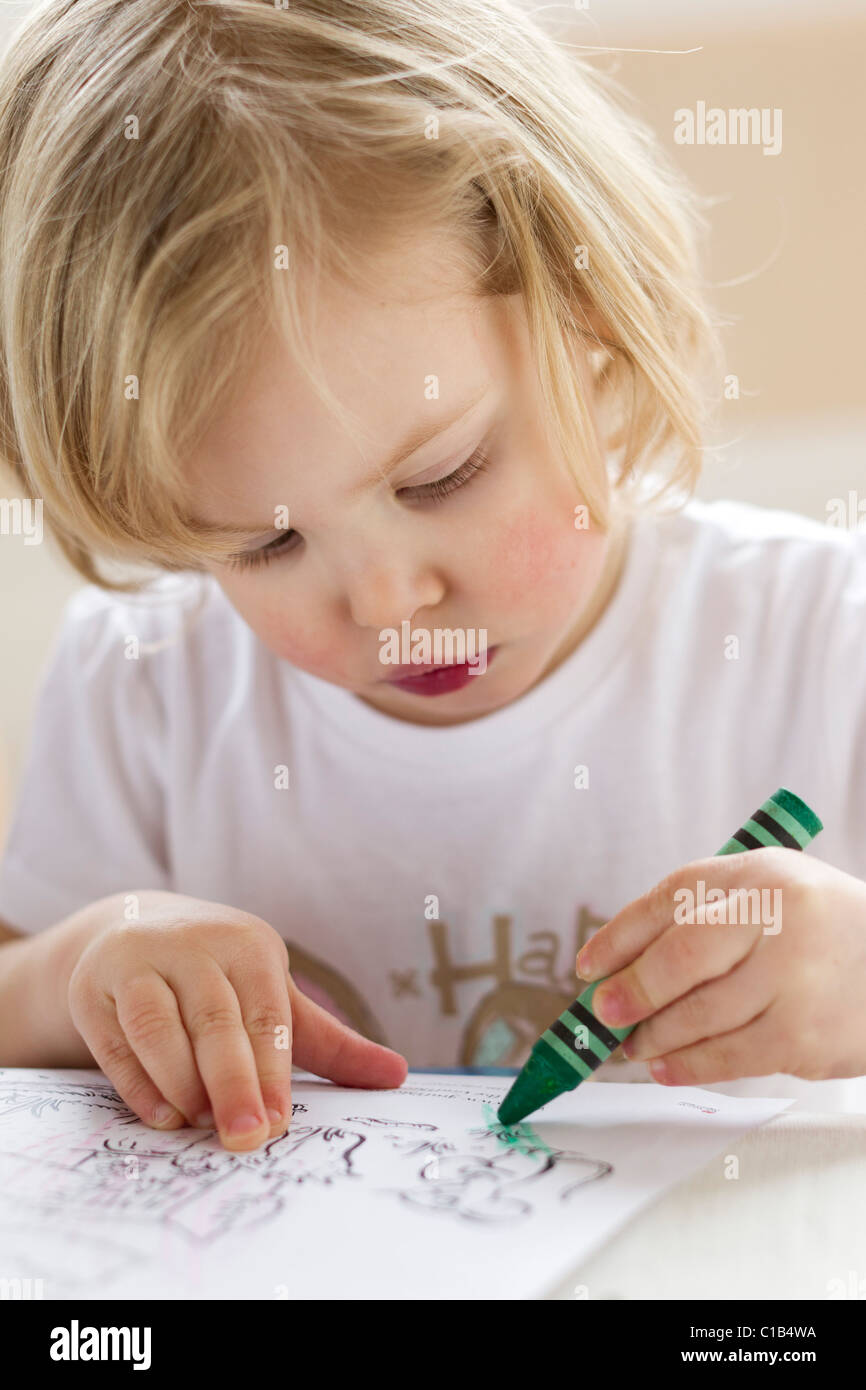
[(379, 330)]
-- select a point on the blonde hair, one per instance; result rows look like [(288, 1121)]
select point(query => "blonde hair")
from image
[(164, 161)]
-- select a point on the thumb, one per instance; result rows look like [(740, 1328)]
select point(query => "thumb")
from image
[(325, 1046)]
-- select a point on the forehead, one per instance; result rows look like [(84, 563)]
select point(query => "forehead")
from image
[(414, 343)]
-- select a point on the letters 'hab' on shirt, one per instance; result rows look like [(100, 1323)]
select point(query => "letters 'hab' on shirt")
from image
[(434, 884)]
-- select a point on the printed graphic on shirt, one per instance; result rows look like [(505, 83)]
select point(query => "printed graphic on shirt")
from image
[(526, 994), (332, 991), (503, 1026)]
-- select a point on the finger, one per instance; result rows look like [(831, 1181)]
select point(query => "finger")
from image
[(213, 1018), (719, 1006), (755, 1050), (94, 1015), (628, 933), (682, 958), (327, 1047), (148, 1013), (262, 987)]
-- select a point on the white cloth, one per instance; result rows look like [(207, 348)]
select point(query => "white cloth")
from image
[(434, 883)]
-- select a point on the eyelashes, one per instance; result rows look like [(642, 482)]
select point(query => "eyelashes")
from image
[(441, 487), (436, 491)]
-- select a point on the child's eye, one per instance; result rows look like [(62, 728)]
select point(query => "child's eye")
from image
[(435, 491), (441, 487), (249, 559)]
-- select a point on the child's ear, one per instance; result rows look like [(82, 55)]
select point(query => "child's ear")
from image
[(592, 328)]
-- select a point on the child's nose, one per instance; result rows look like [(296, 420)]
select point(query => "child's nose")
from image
[(385, 594)]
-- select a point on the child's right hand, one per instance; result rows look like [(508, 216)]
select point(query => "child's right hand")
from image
[(186, 1006)]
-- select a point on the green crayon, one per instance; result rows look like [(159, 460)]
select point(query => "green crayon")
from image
[(577, 1042)]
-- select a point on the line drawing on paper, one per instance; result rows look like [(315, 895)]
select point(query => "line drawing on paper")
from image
[(97, 1183)]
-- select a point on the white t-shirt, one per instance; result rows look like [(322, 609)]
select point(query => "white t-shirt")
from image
[(435, 883)]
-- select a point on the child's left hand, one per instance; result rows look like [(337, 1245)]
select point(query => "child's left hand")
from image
[(722, 1001)]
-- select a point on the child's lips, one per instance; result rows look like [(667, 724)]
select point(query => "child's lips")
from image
[(400, 673), (436, 679)]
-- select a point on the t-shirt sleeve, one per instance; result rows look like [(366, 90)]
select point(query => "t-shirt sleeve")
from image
[(88, 816)]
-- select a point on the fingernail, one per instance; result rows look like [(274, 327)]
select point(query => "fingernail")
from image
[(164, 1112), (585, 968), (275, 1117), (204, 1120), (659, 1071), (244, 1124), (609, 1009)]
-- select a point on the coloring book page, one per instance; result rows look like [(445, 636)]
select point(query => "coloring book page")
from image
[(414, 1193)]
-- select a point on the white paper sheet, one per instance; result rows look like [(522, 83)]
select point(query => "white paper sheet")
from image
[(416, 1193)]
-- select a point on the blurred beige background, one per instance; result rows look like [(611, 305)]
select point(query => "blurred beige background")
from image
[(786, 255)]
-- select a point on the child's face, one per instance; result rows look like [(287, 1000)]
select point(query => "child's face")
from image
[(500, 553)]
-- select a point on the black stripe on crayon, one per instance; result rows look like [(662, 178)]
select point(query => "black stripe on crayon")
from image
[(594, 1025), (566, 1036), (776, 830), (746, 840)]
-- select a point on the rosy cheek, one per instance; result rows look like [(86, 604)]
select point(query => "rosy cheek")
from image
[(303, 647), (532, 557), (296, 638)]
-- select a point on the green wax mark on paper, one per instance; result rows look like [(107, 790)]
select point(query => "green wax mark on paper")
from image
[(520, 1137)]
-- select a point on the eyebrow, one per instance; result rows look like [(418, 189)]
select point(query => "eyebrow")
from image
[(414, 440)]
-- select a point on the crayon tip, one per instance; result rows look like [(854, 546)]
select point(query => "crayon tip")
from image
[(535, 1086), (511, 1111)]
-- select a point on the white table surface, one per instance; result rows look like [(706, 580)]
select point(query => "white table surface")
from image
[(792, 1221)]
